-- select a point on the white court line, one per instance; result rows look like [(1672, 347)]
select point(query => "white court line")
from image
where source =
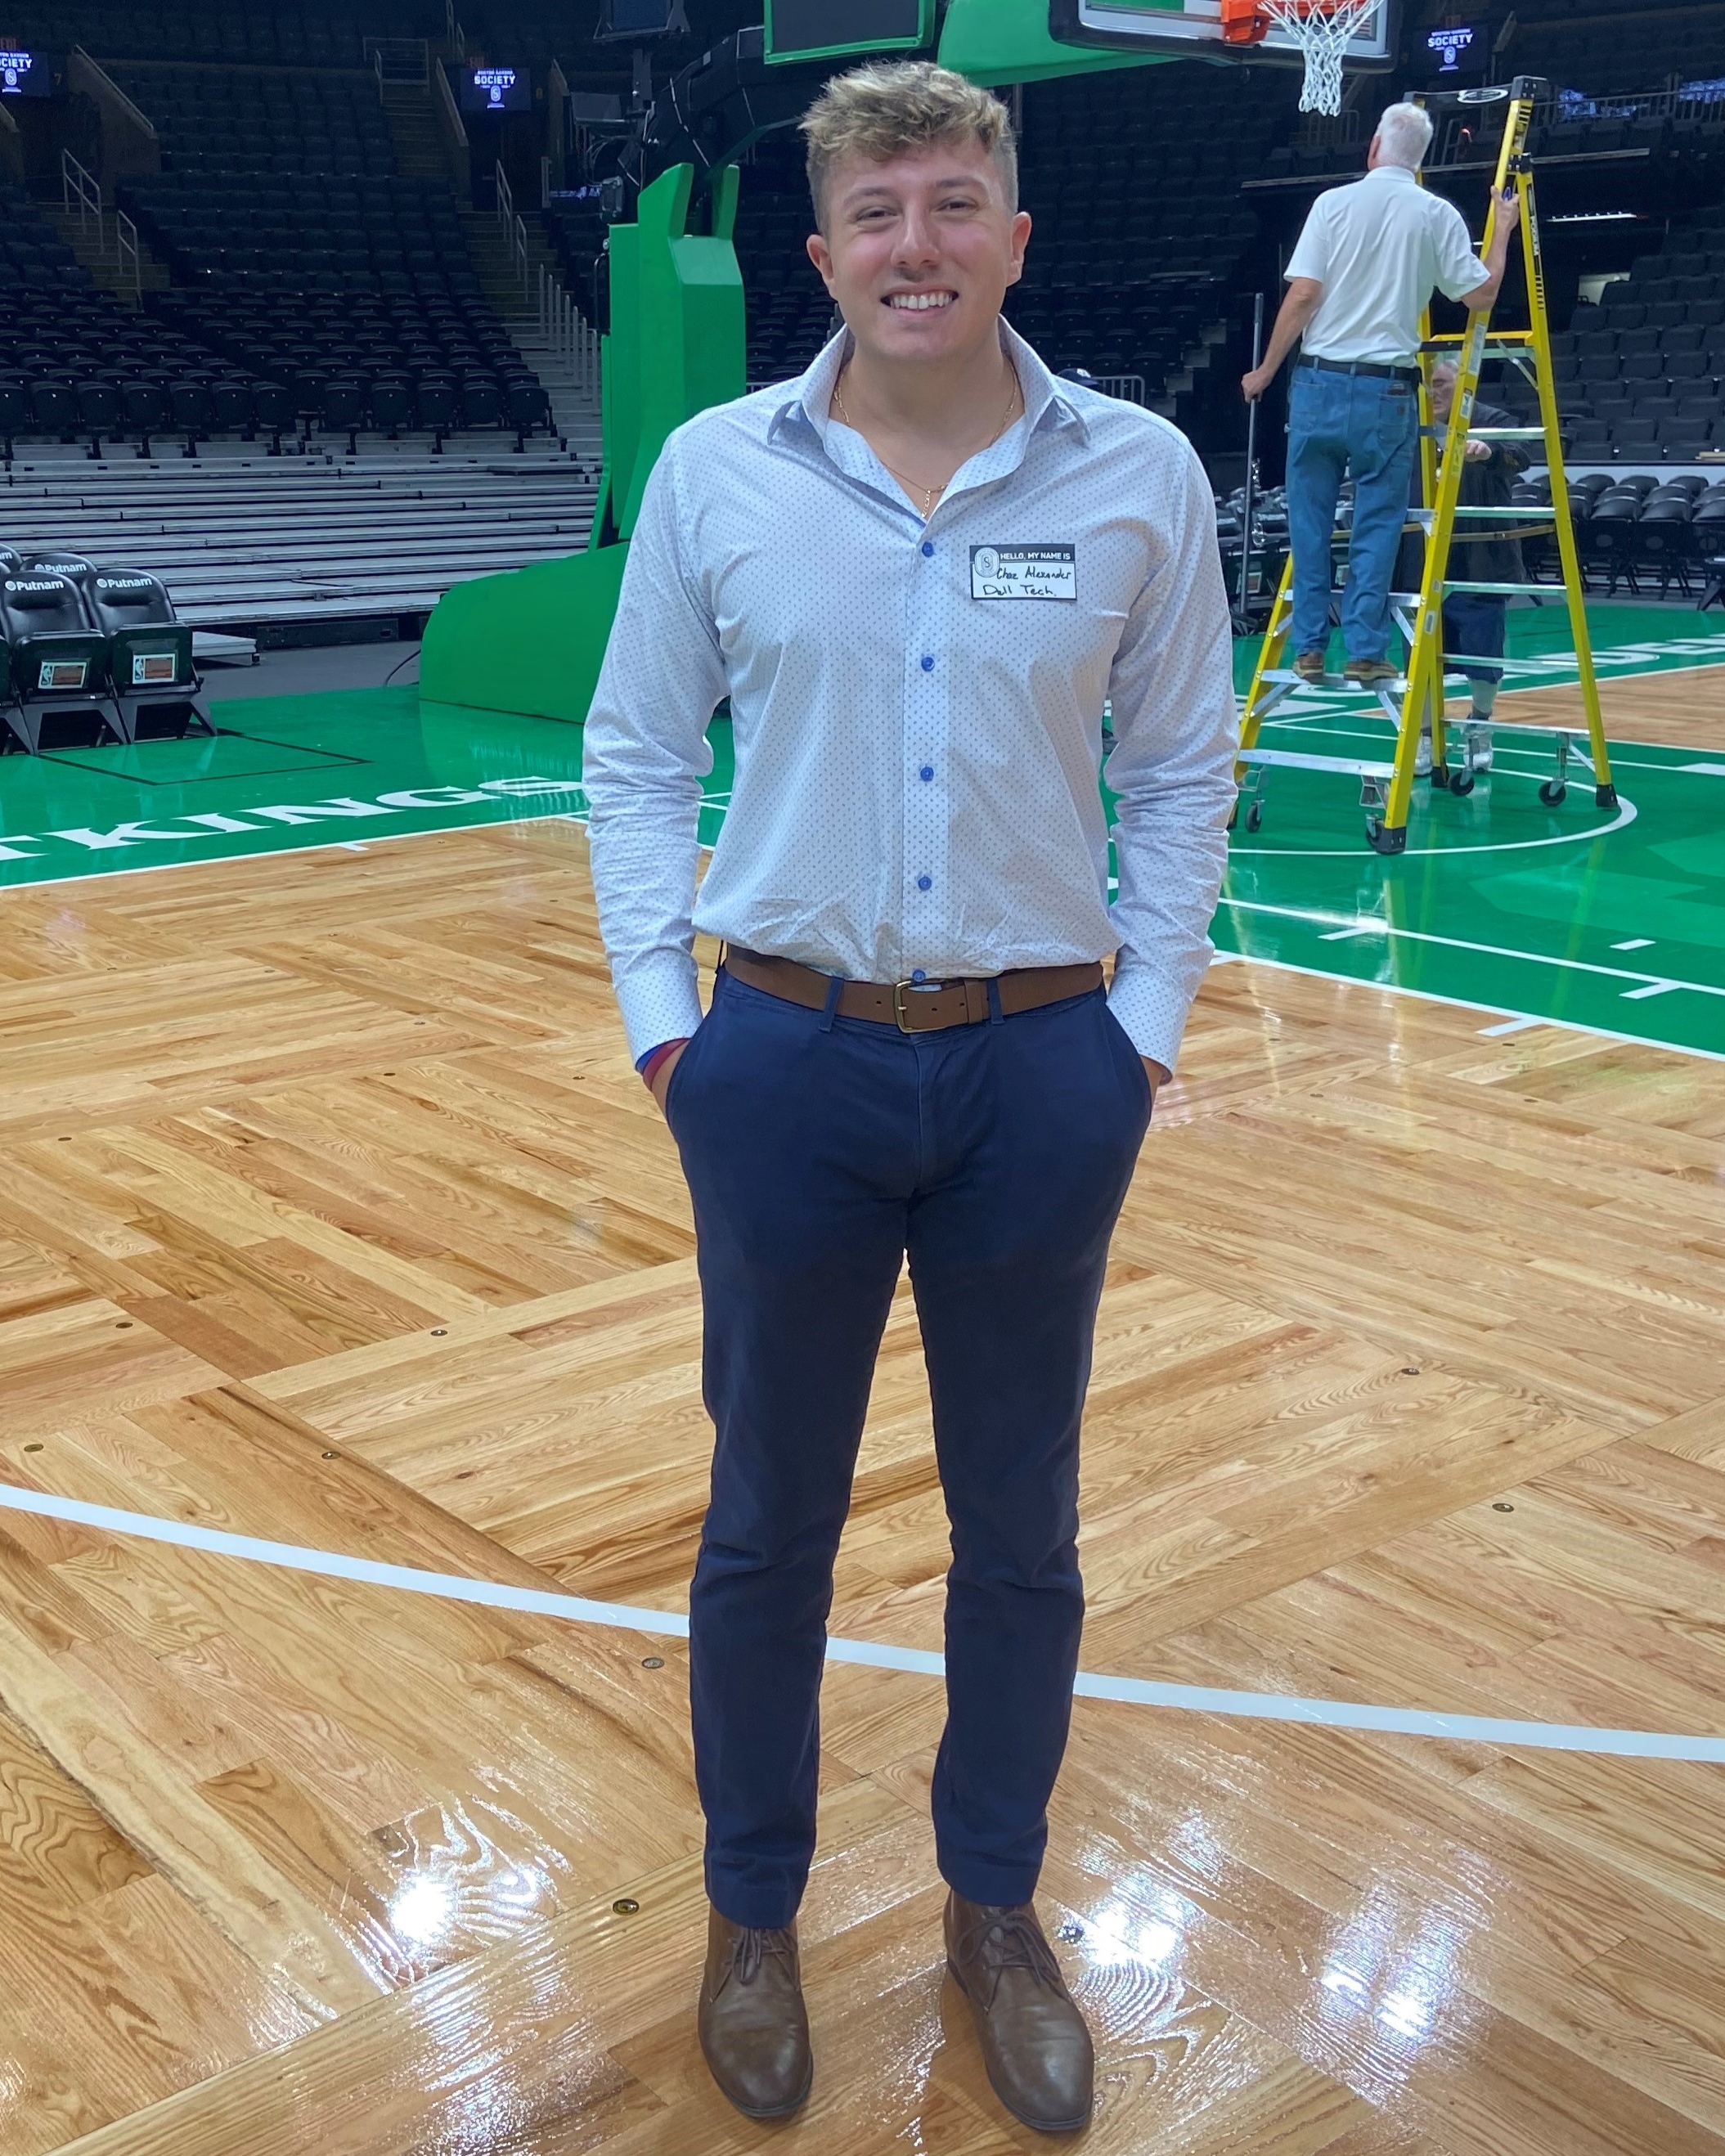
[(1510, 1025), (1466, 1002), (1370, 924), (1137, 1691)]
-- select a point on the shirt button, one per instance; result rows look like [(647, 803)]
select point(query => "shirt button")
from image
[(925, 883), (928, 550), (919, 975), (927, 664), (926, 772)]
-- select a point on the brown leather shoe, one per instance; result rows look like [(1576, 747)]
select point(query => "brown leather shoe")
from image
[(1035, 2044), (754, 2032), (1310, 666), (1367, 673)]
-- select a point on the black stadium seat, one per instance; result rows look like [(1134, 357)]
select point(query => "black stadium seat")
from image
[(54, 408), (98, 412), (58, 661), (156, 687), (145, 407)]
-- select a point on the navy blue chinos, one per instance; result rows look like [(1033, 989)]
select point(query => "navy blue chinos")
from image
[(820, 1150)]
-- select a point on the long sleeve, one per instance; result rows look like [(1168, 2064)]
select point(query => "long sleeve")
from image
[(645, 756), (1177, 734)]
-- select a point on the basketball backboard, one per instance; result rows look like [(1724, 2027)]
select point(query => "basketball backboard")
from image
[(1192, 30)]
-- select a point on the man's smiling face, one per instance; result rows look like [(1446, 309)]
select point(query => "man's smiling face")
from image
[(919, 253)]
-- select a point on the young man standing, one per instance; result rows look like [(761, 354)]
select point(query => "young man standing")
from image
[(918, 572), (1360, 278)]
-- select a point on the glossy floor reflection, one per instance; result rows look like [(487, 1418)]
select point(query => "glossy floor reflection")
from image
[(331, 1212)]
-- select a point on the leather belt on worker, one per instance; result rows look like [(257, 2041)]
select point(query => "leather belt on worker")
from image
[(1375, 368), (911, 1006)]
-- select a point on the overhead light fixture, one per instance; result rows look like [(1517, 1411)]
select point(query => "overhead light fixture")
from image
[(1596, 217)]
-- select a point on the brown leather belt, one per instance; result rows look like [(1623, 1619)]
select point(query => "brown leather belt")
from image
[(909, 1005)]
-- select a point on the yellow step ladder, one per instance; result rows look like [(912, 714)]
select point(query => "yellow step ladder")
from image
[(1415, 698)]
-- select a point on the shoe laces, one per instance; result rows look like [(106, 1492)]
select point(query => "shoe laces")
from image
[(751, 1950), (1012, 1939)]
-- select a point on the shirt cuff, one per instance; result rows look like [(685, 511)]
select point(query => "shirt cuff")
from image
[(1153, 1010), (649, 1064), (658, 999)]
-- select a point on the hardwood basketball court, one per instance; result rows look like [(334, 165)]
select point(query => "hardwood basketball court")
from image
[(332, 1216)]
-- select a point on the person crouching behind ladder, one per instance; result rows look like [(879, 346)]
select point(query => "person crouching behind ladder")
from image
[(1361, 277), (1489, 553)]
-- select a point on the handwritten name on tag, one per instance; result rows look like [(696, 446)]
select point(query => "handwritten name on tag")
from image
[(1024, 572)]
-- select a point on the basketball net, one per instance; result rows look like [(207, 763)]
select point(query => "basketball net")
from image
[(1322, 33)]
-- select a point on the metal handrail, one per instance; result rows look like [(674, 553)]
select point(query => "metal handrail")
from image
[(125, 248), (139, 118), (515, 232), (567, 334), (400, 59), (80, 188), (452, 110), (1130, 388)]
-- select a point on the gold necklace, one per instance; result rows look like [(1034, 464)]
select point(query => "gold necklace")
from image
[(929, 494)]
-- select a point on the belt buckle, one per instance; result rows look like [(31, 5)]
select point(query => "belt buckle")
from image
[(900, 1016)]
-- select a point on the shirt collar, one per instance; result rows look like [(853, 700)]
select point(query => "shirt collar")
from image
[(808, 400), (1394, 173)]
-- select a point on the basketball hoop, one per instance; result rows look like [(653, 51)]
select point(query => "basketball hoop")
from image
[(1320, 29)]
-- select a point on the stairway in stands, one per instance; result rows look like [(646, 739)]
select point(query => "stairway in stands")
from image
[(421, 153), (577, 411), (97, 247)]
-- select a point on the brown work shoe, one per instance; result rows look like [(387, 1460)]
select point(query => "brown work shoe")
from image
[(1310, 666), (1035, 2044), (754, 2032), (1367, 673)]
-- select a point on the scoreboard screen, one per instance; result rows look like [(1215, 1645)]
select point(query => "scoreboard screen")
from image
[(834, 29), (496, 89), (25, 74)]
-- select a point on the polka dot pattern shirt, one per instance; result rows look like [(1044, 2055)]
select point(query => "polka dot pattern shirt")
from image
[(918, 706)]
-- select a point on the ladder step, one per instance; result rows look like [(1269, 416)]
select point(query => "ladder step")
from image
[(1520, 512), (1454, 337), (1503, 591), (1288, 759)]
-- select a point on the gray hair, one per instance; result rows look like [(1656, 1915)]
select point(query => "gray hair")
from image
[(1404, 131)]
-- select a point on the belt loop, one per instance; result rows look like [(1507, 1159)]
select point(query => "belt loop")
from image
[(996, 1015), (835, 986)]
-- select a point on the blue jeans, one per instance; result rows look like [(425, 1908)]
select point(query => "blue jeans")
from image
[(819, 1151), (1366, 426)]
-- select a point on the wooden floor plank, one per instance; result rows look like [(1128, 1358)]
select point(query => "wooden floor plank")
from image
[(333, 1214)]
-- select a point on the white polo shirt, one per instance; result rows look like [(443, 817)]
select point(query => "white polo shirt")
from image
[(1378, 246)]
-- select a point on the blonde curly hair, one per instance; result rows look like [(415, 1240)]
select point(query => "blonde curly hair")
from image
[(879, 111)]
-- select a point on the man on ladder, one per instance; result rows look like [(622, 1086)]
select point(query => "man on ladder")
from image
[(1359, 281)]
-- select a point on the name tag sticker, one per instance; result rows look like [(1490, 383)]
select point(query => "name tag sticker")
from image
[(1024, 572)]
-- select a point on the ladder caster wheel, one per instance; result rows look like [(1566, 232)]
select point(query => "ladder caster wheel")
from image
[(1233, 815), (1255, 817), (1461, 782), (1553, 792), (1439, 775), (1383, 840), (1605, 797)]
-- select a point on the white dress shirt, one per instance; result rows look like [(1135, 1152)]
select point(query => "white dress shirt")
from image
[(917, 737), (1379, 247)]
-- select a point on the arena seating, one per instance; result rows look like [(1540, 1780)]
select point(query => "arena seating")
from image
[(75, 362), (1639, 373), (1626, 46), (220, 32), (240, 120), (312, 285)]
